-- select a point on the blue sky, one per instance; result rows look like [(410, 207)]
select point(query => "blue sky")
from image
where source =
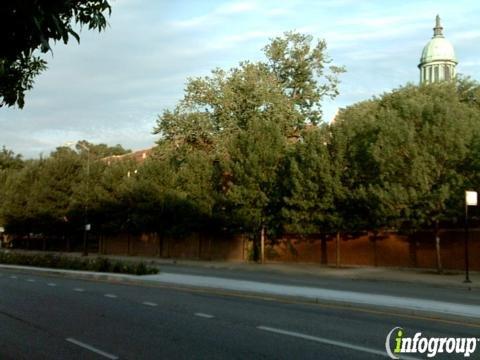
[(112, 86)]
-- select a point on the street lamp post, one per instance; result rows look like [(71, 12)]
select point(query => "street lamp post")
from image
[(470, 200)]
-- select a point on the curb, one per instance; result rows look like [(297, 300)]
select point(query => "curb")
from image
[(75, 274), (400, 275), (260, 295)]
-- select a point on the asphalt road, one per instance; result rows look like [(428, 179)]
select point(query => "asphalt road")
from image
[(46, 317)]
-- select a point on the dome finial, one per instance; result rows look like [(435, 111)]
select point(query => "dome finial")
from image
[(438, 29)]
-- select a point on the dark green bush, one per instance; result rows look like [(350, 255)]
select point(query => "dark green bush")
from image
[(99, 264)]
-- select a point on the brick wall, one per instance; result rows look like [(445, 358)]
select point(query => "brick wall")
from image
[(195, 246), (387, 249)]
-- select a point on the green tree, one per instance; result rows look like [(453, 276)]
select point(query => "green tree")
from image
[(354, 134), (252, 196), (38, 196), (468, 91), (99, 151), (217, 107), (17, 210), (242, 122), (405, 155), (303, 70), (28, 26), (9, 160), (293, 80), (310, 185)]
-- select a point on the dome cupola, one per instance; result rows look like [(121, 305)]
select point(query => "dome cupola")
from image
[(438, 60)]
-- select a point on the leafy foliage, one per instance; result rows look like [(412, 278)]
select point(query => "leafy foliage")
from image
[(292, 82), (10, 161), (302, 71), (99, 264), (310, 185), (404, 154), (28, 26), (242, 152)]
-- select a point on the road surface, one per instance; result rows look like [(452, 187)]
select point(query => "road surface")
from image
[(47, 317)]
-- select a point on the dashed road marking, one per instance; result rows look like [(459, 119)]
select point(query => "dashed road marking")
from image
[(148, 303), (92, 348), (51, 284), (112, 296), (31, 280), (79, 289), (325, 341), (13, 277), (203, 315)]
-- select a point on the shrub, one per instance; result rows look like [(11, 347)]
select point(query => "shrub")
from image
[(99, 264)]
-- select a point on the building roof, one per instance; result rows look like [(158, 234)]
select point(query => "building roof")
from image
[(438, 48), (139, 156)]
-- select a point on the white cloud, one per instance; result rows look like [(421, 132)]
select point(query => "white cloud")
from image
[(111, 87), (216, 15), (230, 41), (236, 8), (470, 35), (192, 22), (470, 63), (277, 12)]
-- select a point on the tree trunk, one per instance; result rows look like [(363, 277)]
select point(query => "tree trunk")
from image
[(168, 247), (323, 249), (337, 250), (375, 250), (262, 245), (210, 257), (412, 247), (199, 246), (437, 249), (160, 244)]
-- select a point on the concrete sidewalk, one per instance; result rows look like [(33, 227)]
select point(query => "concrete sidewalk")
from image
[(310, 294), (414, 305), (450, 278)]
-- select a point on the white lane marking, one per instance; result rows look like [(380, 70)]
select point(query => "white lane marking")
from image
[(13, 277), (51, 284), (31, 280), (203, 315), (148, 303), (112, 296), (326, 341), (91, 348), (79, 290)]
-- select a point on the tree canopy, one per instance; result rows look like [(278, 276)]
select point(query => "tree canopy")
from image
[(28, 27), (404, 154), (244, 152)]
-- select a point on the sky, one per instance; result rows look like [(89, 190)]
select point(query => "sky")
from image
[(112, 86)]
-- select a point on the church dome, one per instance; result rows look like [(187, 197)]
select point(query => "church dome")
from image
[(438, 60), (438, 49)]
